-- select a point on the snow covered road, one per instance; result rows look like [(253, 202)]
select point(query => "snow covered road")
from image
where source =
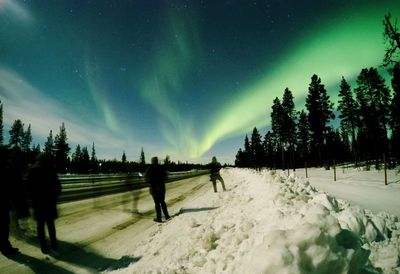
[(91, 232)]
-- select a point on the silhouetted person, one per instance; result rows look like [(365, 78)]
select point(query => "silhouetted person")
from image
[(215, 167), (44, 188), (5, 194), (156, 176)]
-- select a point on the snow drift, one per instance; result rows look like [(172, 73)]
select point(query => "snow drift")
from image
[(269, 222)]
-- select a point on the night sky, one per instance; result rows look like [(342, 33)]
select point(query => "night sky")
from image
[(182, 78)]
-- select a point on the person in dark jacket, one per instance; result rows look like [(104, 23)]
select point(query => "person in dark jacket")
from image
[(5, 246), (215, 167), (44, 189), (156, 176)]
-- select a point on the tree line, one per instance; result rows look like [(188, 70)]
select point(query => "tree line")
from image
[(56, 150), (368, 121)]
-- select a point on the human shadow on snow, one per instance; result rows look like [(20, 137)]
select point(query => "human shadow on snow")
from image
[(86, 258), (37, 265)]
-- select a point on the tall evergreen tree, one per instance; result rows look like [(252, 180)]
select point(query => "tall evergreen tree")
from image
[(257, 149), (395, 112), (320, 112), (289, 124), (17, 134), (61, 150), (373, 97), (76, 159), (123, 158), (142, 160), (303, 136), (278, 130), (93, 160), (85, 160), (27, 139), (348, 114), (49, 149), (269, 149), (247, 152)]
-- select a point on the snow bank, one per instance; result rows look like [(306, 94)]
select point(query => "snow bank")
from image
[(269, 223)]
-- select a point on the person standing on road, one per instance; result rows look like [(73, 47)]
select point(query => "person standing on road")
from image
[(5, 246), (44, 188), (215, 167), (156, 176)]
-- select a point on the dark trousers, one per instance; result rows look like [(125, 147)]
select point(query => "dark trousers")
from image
[(4, 228), (214, 178), (159, 202), (42, 235)]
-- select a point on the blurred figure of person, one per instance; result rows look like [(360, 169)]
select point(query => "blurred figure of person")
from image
[(44, 188), (5, 193), (156, 176), (215, 167)]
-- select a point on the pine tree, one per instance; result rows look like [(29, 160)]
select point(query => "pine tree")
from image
[(373, 97), (247, 152), (303, 136), (85, 160), (257, 149), (61, 150), (269, 150), (27, 139), (76, 159), (49, 149), (277, 125), (93, 160), (289, 125), (123, 158), (348, 114), (16, 134), (320, 112), (1, 124), (395, 112), (142, 160)]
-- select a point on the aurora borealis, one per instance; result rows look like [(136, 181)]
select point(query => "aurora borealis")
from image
[(181, 78)]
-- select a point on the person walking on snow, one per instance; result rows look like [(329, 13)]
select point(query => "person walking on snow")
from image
[(215, 167), (44, 188), (156, 176)]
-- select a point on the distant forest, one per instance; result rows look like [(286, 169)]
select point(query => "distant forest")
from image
[(19, 153), (368, 119)]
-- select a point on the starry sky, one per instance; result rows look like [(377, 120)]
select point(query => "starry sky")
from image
[(186, 79)]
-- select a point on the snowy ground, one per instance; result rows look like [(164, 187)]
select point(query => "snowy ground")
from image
[(268, 222)]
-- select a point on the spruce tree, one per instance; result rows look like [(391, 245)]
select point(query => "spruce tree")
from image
[(61, 150), (17, 134), (289, 125), (278, 130), (373, 97), (257, 150), (269, 149), (123, 158), (348, 114), (49, 149), (142, 160), (93, 160), (247, 152), (303, 136), (395, 112), (320, 112), (76, 159), (27, 139)]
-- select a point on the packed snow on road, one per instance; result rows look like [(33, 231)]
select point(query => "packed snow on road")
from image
[(269, 222)]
